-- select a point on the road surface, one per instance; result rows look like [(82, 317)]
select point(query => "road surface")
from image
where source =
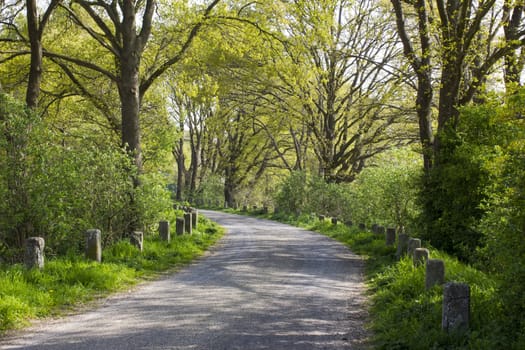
[(264, 286)]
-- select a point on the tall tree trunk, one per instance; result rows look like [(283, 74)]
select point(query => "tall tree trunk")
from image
[(229, 188), (195, 165), (424, 116), (129, 92), (448, 114), (130, 105), (179, 157), (421, 65), (130, 108), (35, 69), (17, 181)]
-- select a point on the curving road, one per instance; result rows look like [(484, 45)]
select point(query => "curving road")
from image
[(265, 286)]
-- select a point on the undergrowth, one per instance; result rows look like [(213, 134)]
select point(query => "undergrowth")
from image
[(68, 282)]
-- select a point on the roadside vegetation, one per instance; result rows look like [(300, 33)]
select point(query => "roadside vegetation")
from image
[(68, 282)]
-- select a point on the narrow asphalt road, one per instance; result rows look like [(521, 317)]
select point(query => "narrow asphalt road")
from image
[(265, 286)]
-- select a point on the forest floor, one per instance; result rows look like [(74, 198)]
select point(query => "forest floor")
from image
[(265, 285)]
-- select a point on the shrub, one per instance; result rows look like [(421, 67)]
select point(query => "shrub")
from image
[(211, 191), (292, 195), (74, 189), (504, 223), (154, 202), (16, 125), (384, 193), (58, 187)]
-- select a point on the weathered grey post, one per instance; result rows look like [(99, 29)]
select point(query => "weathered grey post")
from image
[(93, 245), (362, 226), (194, 217), (456, 307), (34, 254), (402, 244), (164, 230), (321, 217), (413, 243), (435, 273), (179, 226), (334, 221), (136, 238), (420, 256), (187, 223), (390, 237)]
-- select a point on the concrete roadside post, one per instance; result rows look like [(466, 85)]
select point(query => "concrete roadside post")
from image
[(93, 245), (435, 273), (164, 230), (179, 226), (136, 238), (187, 223), (456, 307), (34, 253)]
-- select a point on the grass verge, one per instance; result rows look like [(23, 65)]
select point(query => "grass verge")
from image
[(404, 315), (68, 282)]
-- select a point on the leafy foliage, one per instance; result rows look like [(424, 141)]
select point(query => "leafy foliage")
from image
[(292, 195), (455, 187), (503, 224), (385, 193), (476, 178), (57, 186)]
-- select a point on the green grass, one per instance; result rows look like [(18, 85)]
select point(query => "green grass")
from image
[(68, 282), (403, 314)]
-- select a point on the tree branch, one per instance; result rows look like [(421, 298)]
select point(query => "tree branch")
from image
[(82, 63), (146, 84)]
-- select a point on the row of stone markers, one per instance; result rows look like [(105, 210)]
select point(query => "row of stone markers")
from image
[(264, 210), (456, 296), (34, 253)]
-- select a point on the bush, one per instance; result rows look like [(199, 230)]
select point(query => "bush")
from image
[(292, 196), (384, 193), (154, 202), (453, 189), (503, 225), (16, 125), (57, 187), (74, 189), (475, 205), (210, 191)]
